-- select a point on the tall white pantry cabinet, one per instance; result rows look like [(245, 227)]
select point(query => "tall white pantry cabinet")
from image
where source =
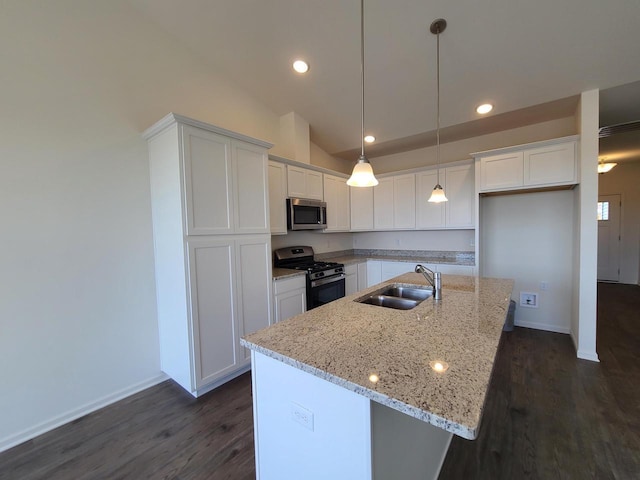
[(212, 245)]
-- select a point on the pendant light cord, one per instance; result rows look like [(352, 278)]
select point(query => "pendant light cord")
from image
[(362, 76), (438, 103)]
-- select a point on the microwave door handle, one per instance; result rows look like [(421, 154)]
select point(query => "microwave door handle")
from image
[(323, 216)]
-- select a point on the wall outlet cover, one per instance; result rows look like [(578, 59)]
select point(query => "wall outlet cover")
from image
[(529, 299), (301, 415)]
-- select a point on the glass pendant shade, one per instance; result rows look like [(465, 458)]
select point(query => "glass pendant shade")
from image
[(437, 195), (605, 167), (362, 175)]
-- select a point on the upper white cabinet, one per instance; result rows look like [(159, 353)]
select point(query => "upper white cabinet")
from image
[(361, 208), (336, 195), (458, 211), (394, 203), (226, 173), (304, 183), (540, 165), (277, 198)]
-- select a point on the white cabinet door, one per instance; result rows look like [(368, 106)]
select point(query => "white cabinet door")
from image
[(553, 164), (501, 172), (215, 337), (208, 179), (460, 190), (351, 279), (404, 201), (374, 272), (277, 198), (429, 215), (314, 185), (336, 195), (250, 174), (290, 297), (383, 206), (361, 208), (362, 276), (392, 269), (304, 183), (253, 264), (456, 269)]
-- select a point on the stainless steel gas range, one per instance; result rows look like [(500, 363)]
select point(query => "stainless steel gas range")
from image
[(325, 280)]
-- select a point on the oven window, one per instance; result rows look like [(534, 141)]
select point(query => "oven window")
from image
[(326, 293), (305, 215)]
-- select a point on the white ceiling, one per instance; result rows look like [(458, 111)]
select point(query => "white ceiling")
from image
[(516, 54)]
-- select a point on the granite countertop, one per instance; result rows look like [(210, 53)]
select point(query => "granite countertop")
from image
[(345, 342), (280, 273)]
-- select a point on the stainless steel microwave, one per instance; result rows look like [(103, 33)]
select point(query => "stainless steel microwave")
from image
[(305, 214)]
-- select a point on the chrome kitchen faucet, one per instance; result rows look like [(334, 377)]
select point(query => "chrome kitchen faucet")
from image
[(435, 280)]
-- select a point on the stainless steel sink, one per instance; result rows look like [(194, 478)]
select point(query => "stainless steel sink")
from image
[(400, 296)]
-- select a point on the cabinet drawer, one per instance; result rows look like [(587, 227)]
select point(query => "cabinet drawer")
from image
[(288, 284)]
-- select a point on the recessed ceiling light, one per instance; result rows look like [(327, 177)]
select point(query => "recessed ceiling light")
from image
[(369, 139), (301, 66), (439, 366), (484, 108), (373, 378)]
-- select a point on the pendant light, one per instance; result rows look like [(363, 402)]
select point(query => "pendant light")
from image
[(604, 166), (437, 27), (362, 175)]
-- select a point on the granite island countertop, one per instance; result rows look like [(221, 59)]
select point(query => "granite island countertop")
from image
[(345, 342)]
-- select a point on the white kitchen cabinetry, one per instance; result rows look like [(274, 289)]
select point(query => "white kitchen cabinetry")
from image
[(228, 174), (540, 165), (374, 272), (448, 269), (290, 297), (394, 200), (390, 269), (361, 208), (213, 280), (277, 198), (351, 279), (304, 183), (458, 211), (336, 195)]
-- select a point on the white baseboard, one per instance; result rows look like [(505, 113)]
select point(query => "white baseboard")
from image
[(592, 356), (32, 432), (543, 326)]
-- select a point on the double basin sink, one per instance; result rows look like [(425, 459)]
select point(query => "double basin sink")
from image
[(401, 296)]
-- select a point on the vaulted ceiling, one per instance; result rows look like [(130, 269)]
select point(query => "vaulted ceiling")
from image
[(529, 58)]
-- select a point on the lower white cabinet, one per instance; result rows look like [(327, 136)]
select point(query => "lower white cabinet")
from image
[(351, 279), (382, 270), (290, 297), (227, 297), (448, 269)]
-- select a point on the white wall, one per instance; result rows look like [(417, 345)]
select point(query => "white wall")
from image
[(81, 80), (624, 180), (583, 323), (321, 242), (529, 238)]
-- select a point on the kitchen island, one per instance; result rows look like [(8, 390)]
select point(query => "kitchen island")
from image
[(351, 390)]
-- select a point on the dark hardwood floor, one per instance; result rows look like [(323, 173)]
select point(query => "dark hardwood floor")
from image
[(548, 415)]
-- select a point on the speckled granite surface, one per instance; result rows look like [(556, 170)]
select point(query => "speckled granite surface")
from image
[(280, 273), (345, 342)]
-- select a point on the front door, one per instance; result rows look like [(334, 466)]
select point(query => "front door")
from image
[(609, 238)]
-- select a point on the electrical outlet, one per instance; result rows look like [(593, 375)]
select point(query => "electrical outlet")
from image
[(301, 415), (544, 286), (529, 299)]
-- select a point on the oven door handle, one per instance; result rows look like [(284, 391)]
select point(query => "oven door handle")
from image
[(324, 281)]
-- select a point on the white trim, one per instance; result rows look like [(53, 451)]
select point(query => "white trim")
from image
[(46, 426), (172, 118), (592, 356), (513, 148), (547, 327)]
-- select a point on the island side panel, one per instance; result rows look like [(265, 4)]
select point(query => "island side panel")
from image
[(306, 427), (405, 448)]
